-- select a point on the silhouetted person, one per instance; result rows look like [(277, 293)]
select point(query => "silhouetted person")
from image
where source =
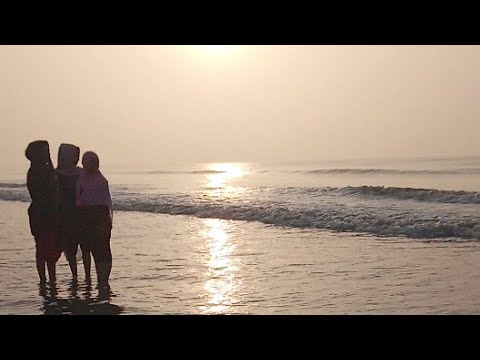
[(95, 215), (68, 173), (42, 212)]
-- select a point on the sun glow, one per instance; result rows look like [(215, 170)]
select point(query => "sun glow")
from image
[(216, 48), (224, 172), (217, 53), (221, 182)]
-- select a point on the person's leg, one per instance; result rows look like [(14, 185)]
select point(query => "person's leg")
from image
[(72, 261), (51, 266), (83, 234), (40, 260), (53, 250), (71, 254), (103, 272), (102, 255), (70, 233), (41, 270), (87, 261)]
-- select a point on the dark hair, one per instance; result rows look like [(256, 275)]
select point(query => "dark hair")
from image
[(90, 160)]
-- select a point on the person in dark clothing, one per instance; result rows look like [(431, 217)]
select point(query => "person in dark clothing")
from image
[(42, 212), (68, 173)]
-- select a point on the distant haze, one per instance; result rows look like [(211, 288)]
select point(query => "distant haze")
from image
[(154, 105)]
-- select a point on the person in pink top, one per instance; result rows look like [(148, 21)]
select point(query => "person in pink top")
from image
[(95, 215)]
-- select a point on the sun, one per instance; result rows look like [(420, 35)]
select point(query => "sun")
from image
[(217, 54), (216, 49)]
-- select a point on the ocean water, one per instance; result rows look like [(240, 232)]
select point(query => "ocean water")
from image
[(366, 236)]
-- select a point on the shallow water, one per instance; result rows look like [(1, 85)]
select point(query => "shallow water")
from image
[(167, 264)]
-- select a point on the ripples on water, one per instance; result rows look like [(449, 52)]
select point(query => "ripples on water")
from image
[(210, 263), (78, 302)]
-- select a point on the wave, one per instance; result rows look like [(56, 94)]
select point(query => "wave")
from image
[(424, 195), (383, 219), (339, 171), (12, 185), (18, 192), (166, 172), (465, 171), (14, 194)]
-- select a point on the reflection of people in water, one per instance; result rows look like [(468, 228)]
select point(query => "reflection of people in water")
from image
[(73, 289), (68, 173), (79, 301), (94, 205), (49, 294), (104, 295), (42, 212)]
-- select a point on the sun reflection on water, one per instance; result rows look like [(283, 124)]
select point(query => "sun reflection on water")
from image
[(222, 282), (221, 183)]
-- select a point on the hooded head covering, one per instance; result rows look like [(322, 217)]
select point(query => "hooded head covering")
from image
[(68, 156), (36, 152)]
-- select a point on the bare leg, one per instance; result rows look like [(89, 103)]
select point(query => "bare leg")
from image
[(51, 271), (41, 270), (103, 272), (87, 262), (72, 261)]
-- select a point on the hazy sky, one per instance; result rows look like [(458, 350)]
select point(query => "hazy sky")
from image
[(153, 105)]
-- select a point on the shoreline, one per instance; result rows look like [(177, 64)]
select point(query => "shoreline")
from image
[(165, 264)]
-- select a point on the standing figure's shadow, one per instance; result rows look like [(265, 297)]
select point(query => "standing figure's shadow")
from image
[(79, 301)]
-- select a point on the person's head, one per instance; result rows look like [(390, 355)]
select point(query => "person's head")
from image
[(90, 162), (68, 156), (38, 152)]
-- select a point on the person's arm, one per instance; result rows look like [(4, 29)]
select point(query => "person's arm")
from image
[(37, 186), (30, 185)]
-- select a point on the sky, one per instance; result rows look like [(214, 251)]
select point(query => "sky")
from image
[(160, 105)]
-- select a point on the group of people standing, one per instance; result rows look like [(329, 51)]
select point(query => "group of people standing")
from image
[(71, 206)]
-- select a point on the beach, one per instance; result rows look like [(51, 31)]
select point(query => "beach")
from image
[(242, 179)]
